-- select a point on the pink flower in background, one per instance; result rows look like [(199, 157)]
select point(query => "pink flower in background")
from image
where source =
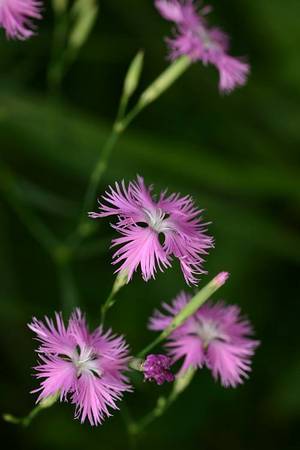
[(154, 231), (216, 336), (85, 367), (16, 17), (195, 39)]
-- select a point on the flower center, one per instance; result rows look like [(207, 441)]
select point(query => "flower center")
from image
[(155, 219), (208, 331), (85, 360), (204, 36)]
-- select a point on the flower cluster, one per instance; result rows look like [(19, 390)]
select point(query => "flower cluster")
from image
[(87, 368), (195, 39), (82, 367), (216, 336), (16, 17), (153, 232)]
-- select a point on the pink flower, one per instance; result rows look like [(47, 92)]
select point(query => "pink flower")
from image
[(216, 336), (154, 231), (85, 367), (199, 42), (16, 17)]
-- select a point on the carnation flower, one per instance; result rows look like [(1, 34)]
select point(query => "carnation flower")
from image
[(195, 39), (216, 336), (157, 368), (154, 231), (16, 17), (83, 367)]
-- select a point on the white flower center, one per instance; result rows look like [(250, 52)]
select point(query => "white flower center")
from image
[(208, 331), (204, 36), (85, 360), (206, 40), (156, 219)]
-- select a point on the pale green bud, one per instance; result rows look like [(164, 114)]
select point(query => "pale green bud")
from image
[(133, 74)]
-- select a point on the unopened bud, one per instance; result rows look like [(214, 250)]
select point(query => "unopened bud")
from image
[(133, 75), (222, 278)]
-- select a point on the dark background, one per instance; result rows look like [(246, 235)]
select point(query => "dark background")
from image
[(237, 155)]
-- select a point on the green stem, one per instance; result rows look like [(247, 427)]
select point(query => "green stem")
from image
[(192, 306), (120, 281), (122, 125), (109, 302), (165, 80), (155, 89), (57, 62), (95, 178), (149, 347), (161, 407), (85, 228), (130, 84), (98, 172), (122, 109), (23, 421), (26, 421), (163, 404)]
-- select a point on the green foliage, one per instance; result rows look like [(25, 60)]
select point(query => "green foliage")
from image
[(237, 155)]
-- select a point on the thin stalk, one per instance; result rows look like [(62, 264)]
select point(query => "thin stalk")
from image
[(161, 407), (120, 281), (164, 403), (56, 66), (149, 347), (122, 121), (98, 172), (26, 421), (156, 89), (109, 302), (23, 421), (122, 125)]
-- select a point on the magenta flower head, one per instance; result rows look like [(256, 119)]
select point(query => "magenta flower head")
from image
[(216, 336), (16, 17), (153, 232), (85, 368), (195, 39), (157, 368)]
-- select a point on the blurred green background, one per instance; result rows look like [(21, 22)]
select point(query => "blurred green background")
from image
[(237, 155)]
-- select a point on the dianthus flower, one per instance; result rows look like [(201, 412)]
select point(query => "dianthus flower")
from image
[(16, 17), (83, 367), (155, 231), (195, 39), (216, 336)]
